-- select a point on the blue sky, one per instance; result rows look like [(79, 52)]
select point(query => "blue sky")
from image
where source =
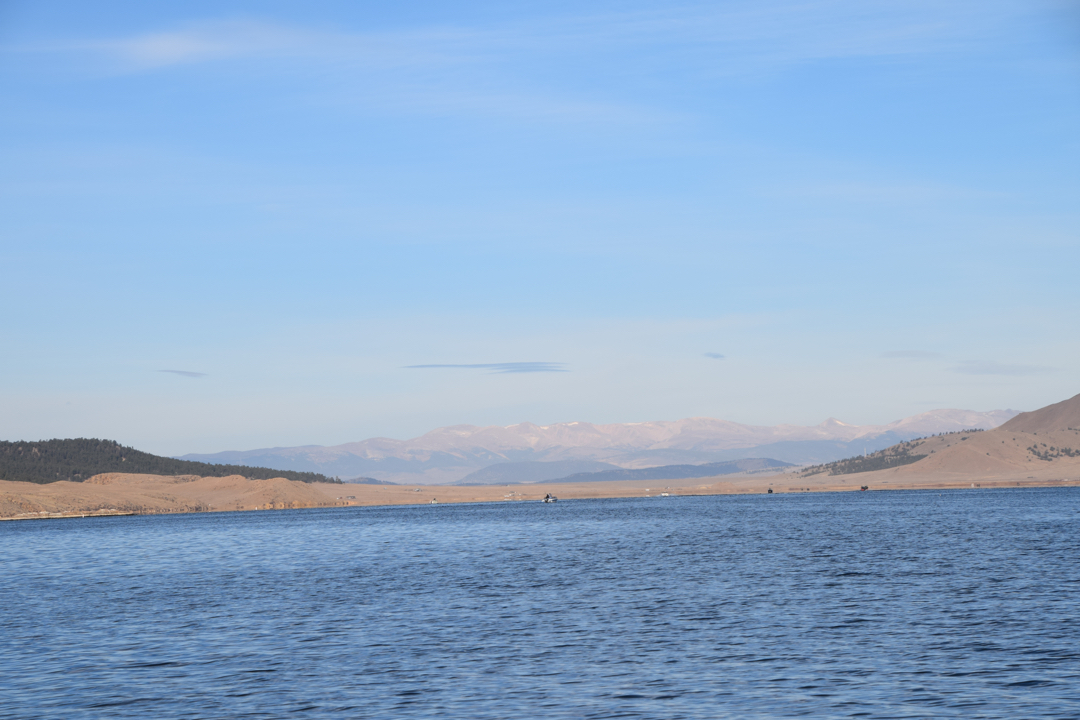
[(346, 220)]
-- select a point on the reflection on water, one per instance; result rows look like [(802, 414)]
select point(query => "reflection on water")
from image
[(898, 604)]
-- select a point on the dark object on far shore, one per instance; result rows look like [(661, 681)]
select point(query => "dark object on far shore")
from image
[(80, 459)]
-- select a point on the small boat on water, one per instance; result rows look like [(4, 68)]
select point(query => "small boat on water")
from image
[(550, 498)]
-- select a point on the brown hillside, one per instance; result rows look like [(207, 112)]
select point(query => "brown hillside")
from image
[(1031, 442), (142, 494), (993, 458), (1059, 416), (996, 451), (1031, 445)]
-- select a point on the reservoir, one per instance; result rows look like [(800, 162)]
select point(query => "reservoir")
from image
[(903, 604)]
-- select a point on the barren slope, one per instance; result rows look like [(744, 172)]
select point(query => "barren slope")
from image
[(159, 494), (1043, 445), (1064, 415)]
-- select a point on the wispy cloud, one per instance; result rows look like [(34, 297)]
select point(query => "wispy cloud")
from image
[(511, 367), (185, 373), (490, 69), (911, 355), (875, 192), (433, 69), (714, 356), (989, 367), (736, 36), (203, 43), (213, 41)]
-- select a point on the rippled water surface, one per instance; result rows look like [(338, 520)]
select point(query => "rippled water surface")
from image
[(879, 605)]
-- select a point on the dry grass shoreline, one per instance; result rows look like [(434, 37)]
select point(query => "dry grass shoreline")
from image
[(117, 494)]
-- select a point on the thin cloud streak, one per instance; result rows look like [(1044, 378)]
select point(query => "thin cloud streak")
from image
[(911, 355), (430, 70), (988, 367), (511, 367), (714, 356), (185, 373), (485, 69), (745, 35)]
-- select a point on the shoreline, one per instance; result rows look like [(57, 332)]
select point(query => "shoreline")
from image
[(141, 495), (69, 515)]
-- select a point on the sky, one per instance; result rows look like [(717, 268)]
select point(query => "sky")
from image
[(230, 225)]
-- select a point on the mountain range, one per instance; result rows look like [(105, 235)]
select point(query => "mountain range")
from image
[(535, 453)]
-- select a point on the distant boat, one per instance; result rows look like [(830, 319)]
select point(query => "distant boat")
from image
[(664, 494), (550, 498)]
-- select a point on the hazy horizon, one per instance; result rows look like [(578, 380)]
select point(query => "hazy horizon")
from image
[(673, 421), (239, 225)]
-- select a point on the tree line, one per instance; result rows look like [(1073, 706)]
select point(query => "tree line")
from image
[(890, 457), (79, 459)]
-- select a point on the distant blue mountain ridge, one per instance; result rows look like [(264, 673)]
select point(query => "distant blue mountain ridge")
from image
[(489, 468), (527, 452)]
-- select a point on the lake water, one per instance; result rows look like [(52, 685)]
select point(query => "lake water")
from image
[(876, 605)]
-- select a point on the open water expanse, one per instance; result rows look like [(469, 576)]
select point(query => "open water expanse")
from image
[(895, 604)]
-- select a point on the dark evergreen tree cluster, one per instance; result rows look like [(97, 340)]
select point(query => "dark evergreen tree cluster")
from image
[(965, 433), (890, 457), (1042, 452), (77, 460)]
